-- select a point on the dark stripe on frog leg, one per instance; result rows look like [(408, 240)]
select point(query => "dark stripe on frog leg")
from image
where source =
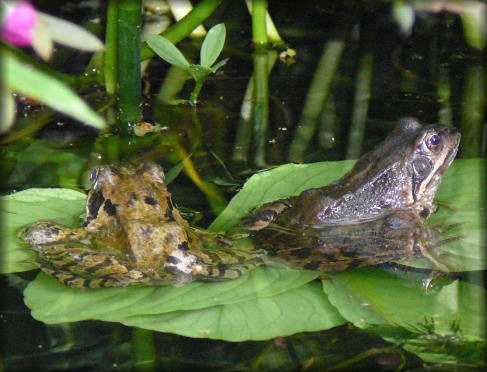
[(95, 200), (173, 260), (110, 208), (183, 246)]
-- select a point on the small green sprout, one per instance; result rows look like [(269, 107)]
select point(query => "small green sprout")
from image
[(210, 50)]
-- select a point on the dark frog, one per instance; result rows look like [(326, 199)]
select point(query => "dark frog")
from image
[(373, 214), (133, 234)]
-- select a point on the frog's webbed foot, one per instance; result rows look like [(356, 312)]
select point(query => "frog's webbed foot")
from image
[(84, 268)]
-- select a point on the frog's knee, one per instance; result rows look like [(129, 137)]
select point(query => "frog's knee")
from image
[(41, 232)]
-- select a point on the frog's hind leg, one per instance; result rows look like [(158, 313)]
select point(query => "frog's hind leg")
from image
[(84, 268), (228, 263), (48, 232)]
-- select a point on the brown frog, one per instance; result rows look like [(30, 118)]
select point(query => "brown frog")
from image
[(133, 234), (373, 214)]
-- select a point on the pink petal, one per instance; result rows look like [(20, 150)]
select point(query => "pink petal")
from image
[(17, 28)]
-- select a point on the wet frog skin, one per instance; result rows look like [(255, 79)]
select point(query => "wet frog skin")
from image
[(133, 234), (373, 214)]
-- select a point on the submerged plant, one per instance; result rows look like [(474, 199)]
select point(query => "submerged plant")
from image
[(210, 50)]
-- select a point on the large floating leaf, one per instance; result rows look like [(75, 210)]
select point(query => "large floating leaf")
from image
[(370, 297), (427, 323), (25, 207), (266, 303)]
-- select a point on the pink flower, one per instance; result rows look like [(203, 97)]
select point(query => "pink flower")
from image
[(19, 23)]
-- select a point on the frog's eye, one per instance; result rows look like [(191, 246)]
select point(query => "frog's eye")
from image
[(432, 141), (94, 175)]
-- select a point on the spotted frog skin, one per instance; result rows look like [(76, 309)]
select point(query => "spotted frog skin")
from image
[(373, 214), (133, 234)]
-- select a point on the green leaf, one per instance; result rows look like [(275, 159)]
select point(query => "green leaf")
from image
[(25, 207), (212, 45), (266, 303), (167, 51), (24, 79), (371, 297)]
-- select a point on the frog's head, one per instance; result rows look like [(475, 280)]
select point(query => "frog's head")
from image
[(406, 169), (433, 151), (116, 189)]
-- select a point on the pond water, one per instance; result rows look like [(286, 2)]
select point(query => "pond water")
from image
[(354, 74)]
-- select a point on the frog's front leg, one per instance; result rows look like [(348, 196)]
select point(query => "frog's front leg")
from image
[(82, 267)]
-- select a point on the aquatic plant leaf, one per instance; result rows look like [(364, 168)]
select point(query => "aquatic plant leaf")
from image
[(25, 80), (264, 304), (25, 207), (212, 45), (167, 51), (9, 110), (454, 309)]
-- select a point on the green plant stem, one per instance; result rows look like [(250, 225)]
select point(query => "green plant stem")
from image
[(143, 349), (473, 112), (360, 106), (110, 56), (261, 105), (185, 26), (272, 32), (259, 24), (317, 94), (445, 114), (244, 130), (128, 63), (193, 98)]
